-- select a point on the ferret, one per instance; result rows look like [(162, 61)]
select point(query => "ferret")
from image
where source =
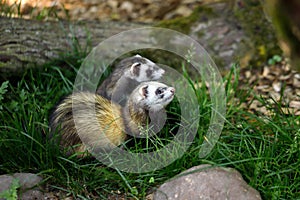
[(103, 124), (127, 75)]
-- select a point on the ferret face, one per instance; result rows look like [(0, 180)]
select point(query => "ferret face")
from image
[(156, 95), (144, 69)]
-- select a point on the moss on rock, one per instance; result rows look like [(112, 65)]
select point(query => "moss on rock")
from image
[(184, 24), (250, 14)]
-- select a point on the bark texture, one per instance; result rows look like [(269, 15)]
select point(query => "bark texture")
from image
[(27, 43)]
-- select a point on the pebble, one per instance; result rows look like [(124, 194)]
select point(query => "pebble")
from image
[(127, 6)]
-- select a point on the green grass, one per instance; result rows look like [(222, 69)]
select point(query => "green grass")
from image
[(7, 10), (12, 192), (265, 150)]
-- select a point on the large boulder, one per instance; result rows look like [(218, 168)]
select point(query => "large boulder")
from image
[(207, 182)]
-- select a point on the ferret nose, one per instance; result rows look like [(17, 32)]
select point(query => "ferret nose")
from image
[(172, 90)]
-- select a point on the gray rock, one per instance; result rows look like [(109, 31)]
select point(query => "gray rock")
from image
[(27, 182), (5, 182), (206, 182)]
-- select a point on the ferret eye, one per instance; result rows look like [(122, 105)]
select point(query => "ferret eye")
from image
[(159, 91)]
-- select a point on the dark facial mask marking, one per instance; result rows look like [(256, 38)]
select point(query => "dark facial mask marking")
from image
[(149, 73), (160, 92)]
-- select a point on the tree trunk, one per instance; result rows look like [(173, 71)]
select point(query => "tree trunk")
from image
[(26, 43)]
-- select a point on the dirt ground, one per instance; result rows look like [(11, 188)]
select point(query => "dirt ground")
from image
[(122, 10)]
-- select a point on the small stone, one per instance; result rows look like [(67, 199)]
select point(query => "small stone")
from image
[(287, 111), (296, 82), (266, 71), (93, 9), (113, 4), (224, 30), (275, 95), (183, 11), (149, 196), (248, 74), (264, 111), (263, 88), (252, 79), (227, 53), (294, 104), (277, 86), (127, 6), (285, 77), (77, 11)]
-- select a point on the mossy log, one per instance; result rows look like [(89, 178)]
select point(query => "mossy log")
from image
[(229, 36), (27, 43)]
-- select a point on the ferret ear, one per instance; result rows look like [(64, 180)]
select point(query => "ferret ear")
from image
[(138, 56), (135, 69), (144, 91)]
